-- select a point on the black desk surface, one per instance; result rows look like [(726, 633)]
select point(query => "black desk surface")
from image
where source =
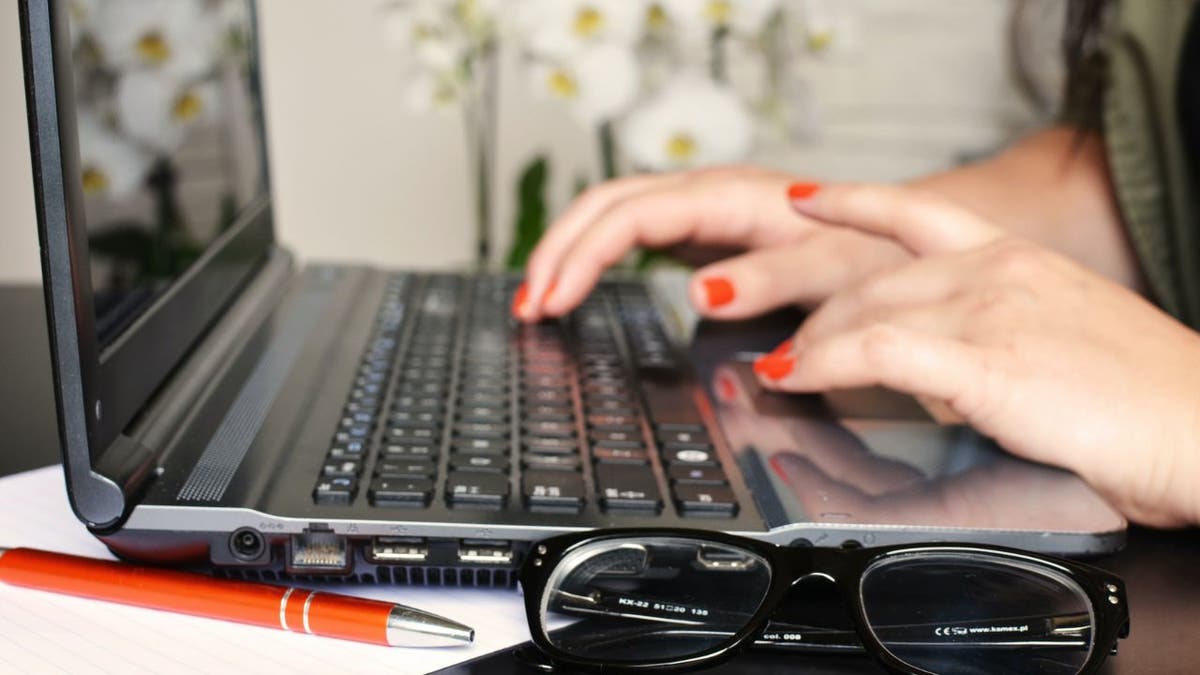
[(1161, 569)]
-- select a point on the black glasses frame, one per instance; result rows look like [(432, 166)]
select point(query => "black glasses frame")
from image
[(843, 567)]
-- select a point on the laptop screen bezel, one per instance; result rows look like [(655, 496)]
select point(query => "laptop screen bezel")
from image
[(102, 390)]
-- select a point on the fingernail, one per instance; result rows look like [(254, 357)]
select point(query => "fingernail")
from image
[(520, 300), (550, 291), (719, 291), (784, 348), (774, 367), (726, 389), (802, 190)]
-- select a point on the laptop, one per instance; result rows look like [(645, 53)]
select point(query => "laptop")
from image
[(221, 407)]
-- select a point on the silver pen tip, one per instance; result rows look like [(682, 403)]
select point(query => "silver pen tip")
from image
[(411, 627)]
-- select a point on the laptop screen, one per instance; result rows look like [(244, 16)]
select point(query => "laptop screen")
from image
[(170, 139)]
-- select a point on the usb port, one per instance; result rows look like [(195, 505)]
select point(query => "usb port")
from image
[(399, 550), (319, 551), (485, 552)]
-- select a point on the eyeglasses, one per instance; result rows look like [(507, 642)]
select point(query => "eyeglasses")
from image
[(661, 599)]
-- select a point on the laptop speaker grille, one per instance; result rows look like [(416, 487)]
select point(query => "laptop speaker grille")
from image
[(228, 446)]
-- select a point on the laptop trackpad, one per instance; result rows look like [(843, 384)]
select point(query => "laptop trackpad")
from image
[(875, 457)]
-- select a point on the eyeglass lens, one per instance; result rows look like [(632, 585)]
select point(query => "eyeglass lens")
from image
[(977, 613), (652, 599)]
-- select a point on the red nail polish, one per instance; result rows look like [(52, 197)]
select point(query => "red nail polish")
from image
[(774, 367), (802, 190), (549, 291), (726, 389), (784, 348), (719, 291), (519, 299)]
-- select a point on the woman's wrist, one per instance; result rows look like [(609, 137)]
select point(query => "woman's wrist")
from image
[(1053, 188)]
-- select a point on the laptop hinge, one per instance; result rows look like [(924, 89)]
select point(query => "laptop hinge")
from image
[(123, 469), (132, 460)]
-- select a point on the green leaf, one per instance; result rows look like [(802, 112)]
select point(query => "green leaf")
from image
[(126, 241), (530, 220)]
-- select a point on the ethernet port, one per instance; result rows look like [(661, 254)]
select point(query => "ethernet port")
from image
[(318, 552)]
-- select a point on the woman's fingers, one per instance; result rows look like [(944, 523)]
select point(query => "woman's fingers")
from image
[(921, 282), (803, 273), (900, 358), (712, 210), (922, 222), (543, 262)]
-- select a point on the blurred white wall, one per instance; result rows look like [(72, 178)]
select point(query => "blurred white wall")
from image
[(357, 177)]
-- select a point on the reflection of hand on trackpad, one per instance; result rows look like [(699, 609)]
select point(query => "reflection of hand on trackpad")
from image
[(875, 403)]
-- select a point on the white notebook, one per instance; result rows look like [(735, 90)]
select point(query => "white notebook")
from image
[(45, 632)]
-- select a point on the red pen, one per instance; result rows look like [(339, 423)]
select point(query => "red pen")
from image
[(292, 609)]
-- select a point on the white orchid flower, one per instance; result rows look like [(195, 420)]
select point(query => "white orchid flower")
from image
[(79, 14), (179, 37), (691, 122), (558, 28), (827, 29), (110, 165), (429, 91), (598, 83), (746, 18), (427, 31), (156, 110)]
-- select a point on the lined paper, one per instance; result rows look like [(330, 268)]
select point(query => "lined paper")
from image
[(45, 632)]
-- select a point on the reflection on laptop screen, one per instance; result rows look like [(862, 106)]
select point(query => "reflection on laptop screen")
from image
[(170, 137)]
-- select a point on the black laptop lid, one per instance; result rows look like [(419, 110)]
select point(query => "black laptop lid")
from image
[(150, 175)]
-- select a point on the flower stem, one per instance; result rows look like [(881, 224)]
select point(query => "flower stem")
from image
[(480, 113), (718, 66), (608, 150)]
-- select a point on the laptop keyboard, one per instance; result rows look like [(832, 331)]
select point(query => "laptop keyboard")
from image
[(454, 400)]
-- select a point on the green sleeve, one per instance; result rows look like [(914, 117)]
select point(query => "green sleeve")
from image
[(1155, 190)]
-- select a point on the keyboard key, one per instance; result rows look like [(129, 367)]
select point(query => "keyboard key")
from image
[(536, 396), (705, 500), (550, 428), (553, 490), (690, 457), (335, 491), (627, 488), (549, 413), (477, 490), (488, 414), (609, 408), (481, 430), (550, 445), (616, 439), (605, 455), (411, 418), (408, 450), (405, 468), (481, 446), (614, 422), (684, 439), (409, 403), (346, 468), (402, 492), (484, 463), (414, 435), (348, 450), (538, 461), (696, 475)]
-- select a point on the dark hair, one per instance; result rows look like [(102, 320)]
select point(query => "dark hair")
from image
[(1087, 62)]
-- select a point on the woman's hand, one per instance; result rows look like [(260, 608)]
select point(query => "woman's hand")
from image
[(1056, 363), (701, 215)]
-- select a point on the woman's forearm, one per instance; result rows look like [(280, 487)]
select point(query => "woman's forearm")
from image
[(1052, 187)]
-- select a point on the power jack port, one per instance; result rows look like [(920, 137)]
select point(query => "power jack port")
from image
[(247, 544)]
